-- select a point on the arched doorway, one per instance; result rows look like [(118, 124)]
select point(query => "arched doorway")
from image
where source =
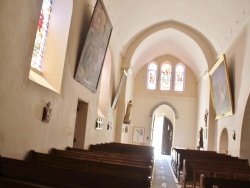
[(224, 142), (167, 134), (162, 136), (244, 138), (80, 124)]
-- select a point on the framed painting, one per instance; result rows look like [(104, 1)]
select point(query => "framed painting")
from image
[(138, 135), (119, 89), (220, 89), (92, 58)]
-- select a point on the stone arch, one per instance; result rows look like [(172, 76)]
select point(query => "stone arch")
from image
[(164, 103), (223, 144), (245, 130), (199, 38)]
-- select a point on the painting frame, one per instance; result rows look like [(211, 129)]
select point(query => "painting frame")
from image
[(95, 47), (138, 135), (220, 89), (119, 89)]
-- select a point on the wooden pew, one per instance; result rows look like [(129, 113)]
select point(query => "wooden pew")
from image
[(148, 159), (55, 176), (179, 154), (124, 148), (219, 169), (148, 150), (13, 183), (208, 182), (214, 160), (104, 159), (110, 168), (196, 154)]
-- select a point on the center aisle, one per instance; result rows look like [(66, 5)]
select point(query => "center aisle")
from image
[(163, 174)]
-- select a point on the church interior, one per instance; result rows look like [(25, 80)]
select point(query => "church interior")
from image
[(141, 73)]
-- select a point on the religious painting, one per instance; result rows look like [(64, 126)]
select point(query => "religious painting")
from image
[(119, 90), (138, 135), (220, 89), (92, 58)]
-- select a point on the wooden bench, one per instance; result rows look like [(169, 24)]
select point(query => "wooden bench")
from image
[(179, 154), (102, 156), (103, 159), (149, 159), (124, 148), (110, 168), (13, 183), (219, 169), (214, 160), (208, 182), (55, 176)]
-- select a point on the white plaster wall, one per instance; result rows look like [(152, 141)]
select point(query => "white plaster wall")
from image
[(22, 101), (239, 65), (185, 104)]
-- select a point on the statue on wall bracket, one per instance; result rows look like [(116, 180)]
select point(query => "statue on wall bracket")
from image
[(126, 117), (47, 113)]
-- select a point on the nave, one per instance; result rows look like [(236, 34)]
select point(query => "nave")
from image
[(163, 174)]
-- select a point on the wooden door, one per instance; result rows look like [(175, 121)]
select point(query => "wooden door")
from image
[(167, 137)]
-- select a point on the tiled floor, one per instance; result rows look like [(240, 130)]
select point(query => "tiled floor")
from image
[(163, 174)]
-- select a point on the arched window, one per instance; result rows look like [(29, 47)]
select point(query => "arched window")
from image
[(179, 77), (165, 83), (152, 76), (41, 35), (49, 72)]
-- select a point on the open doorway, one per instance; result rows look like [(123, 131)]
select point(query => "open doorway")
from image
[(157, 138), (167, 134), (223, 148), (162, 136), (80, 125)]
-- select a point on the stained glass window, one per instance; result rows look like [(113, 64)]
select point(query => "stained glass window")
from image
[(152, 76), (41, 35), (179, 77), (165, 77)]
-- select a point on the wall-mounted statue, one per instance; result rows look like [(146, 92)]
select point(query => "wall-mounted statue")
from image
[(47, 113), (201, 138), (126, 117), (205, 117), (234, 135)]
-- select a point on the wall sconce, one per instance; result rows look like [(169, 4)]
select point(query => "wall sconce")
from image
[(47, 113)]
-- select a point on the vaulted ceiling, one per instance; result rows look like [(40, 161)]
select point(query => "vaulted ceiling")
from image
[(152, 28)]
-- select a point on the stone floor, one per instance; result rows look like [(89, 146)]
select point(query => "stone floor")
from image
[(163, 174)]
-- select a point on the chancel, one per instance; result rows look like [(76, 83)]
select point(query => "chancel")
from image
[(136, 93)]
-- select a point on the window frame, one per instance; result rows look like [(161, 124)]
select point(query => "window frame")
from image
[(175, 76), (171, 75), (156, 75)]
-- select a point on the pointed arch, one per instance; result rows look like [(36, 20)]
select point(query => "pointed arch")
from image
[(245, 130), (223, 145), (165, 103), (207, 50)]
